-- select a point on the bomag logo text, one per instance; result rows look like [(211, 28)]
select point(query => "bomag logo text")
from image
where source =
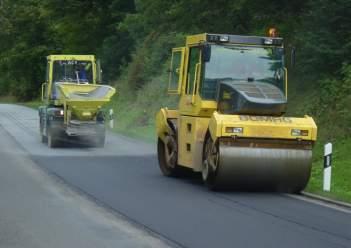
[(265, 119)]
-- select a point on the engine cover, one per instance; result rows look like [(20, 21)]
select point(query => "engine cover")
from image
[(252, 98)]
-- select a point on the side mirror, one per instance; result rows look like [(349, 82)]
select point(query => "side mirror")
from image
[(293, 57), (44, 92), (206, 52)]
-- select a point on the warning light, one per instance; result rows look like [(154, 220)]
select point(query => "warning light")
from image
[(272, 32)]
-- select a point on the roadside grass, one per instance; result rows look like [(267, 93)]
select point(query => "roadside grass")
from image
[(332, 127), (12, 100), (341, 171), (135, 112), (32, 104), (8, 99), (141, 88)]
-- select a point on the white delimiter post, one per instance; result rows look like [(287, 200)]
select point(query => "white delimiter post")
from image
[(327, 166)]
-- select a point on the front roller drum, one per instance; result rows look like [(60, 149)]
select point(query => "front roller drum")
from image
[(256, 169)]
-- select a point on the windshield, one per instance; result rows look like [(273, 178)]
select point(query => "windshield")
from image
[(243, 63), (73, 71)]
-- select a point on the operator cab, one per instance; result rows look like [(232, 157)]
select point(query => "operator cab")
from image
[(72, 71), (232, 74), (244, 79)]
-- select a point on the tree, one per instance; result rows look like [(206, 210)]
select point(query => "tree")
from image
[(325, 36), (25, 42)]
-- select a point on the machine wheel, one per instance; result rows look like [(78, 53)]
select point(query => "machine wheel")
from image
[(210, 163), (168, 156), (44, 139), (53, 140), (100, 140)]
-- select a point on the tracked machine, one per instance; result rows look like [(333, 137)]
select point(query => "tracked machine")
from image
[(230, 123), (73, 101)]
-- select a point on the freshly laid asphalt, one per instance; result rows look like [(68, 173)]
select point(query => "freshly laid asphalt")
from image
[(124, 177), (39, 211)]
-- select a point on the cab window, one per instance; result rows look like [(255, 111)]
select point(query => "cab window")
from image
[(194, 58)]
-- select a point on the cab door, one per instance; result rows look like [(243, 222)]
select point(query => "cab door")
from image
[(188, 100), (176, 72), (45, 95), (187, 107)]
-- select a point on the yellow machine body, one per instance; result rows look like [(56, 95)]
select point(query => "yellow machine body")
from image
[(83, 99), (246, 146), (73, 99)]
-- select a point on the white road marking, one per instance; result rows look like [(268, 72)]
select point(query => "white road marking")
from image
[(320, 202)]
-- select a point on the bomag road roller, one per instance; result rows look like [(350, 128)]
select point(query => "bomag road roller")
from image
[(73, 100), (230, 122)]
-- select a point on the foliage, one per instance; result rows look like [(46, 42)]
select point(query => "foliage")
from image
[(25, 41), (116, 29), (32, 29), (325, 36)]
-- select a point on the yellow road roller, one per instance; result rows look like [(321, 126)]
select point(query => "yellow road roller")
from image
[(230, 123)]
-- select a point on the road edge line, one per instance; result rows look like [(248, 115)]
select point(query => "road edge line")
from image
[(326, 200)]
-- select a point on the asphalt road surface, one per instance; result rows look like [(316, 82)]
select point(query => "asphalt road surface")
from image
[(40, 211), (124, 177)]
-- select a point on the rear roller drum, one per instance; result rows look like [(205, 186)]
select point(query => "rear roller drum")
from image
[(100, 140), (210, 163), (53, 138), (43, 138), (168, 155)]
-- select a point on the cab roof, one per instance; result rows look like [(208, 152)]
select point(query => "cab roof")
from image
[(233, 39), (71, 57)]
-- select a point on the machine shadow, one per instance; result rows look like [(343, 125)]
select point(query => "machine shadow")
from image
[(77, 142), (187, 176)]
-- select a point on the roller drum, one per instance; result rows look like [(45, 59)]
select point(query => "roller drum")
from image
[(249, 168)]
